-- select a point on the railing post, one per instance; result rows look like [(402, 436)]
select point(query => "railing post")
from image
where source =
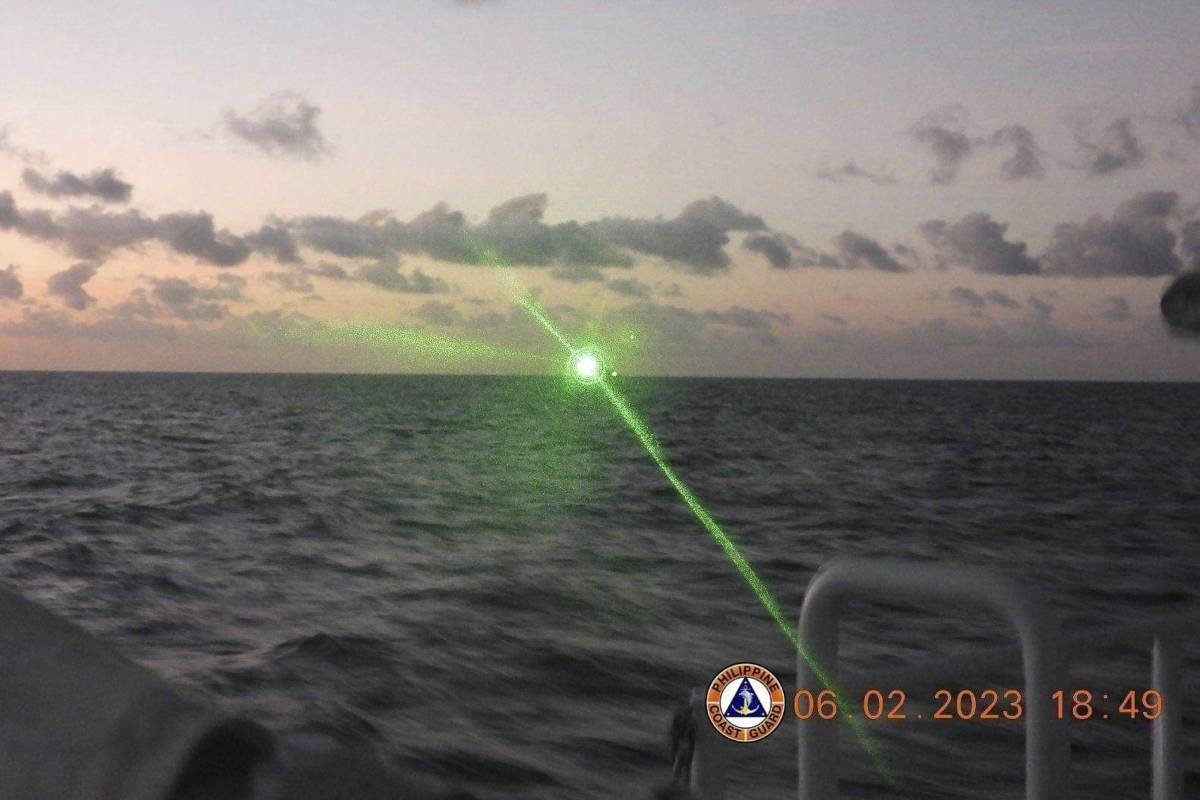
[(818, 743), (1047, 748), (1166, 736)]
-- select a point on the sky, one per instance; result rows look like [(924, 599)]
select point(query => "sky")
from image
[(780, 188)]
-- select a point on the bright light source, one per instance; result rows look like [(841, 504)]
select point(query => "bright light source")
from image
[(586, 366)]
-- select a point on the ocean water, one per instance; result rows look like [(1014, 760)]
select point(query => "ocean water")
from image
[(489, 580)]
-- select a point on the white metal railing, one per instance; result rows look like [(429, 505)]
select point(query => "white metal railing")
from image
[(1041, 647)]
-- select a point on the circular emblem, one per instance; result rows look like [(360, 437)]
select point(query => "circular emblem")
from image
[(745, 702)]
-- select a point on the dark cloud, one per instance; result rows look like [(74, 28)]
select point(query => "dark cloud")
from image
[(977, 242), (385, 274), (848, 170), (93, 234), (188, 301), (339, 236), (695, 239), (513, 233), (803, 256), (1001, 299), (967, 297), (577, 273), (721, 215), (332, 271), (759, 323), (857, 250), (942, 132), (630, 287), (835, 319), (36, 224), (1039, 307), (285, 124), (10, 284), (1116, 309), (438, 313), (59, 326), (136, 305), (1026, 159), (194, 234), (1181, 304), (68, 285), (1136, 241), (1189, 243), (102, 185), (1116, 148), (774, 246), (1189, 117), (276, 241), (291, 281)]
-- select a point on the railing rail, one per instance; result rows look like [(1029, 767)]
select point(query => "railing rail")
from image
[(1047, 748), (1041, 651)]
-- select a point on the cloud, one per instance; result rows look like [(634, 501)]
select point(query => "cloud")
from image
[(285, 124), (194, 234), (1039, 307), (857, 250), (7, 148), (1180, 304), (102, 185), (1001, 299), (967, 297), (1116, 148), (834, 318), (759, 323), (1189, 117), (187, 301), (1026, 161), (515, 233), (276, 241), (1190, 243), (36, 224), (1136, 241), (385, 274), (977, 242), (68, 285), (774, 246), (1116, 309), (291, 281), (941, 131), (93, 234), (10, 285), (630, 287), (332, 271), (854, 251), (673, 328), (850, 170), (58, 326), (694, 240), (438, 313)]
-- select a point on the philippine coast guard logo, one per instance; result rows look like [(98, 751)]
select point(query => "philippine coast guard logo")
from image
[(745, 702)]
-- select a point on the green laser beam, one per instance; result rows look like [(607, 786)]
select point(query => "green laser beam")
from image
[(650, 443), (394, 338)]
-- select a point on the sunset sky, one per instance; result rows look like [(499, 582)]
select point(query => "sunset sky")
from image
[(840, 188)]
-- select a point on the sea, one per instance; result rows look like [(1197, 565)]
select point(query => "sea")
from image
[(490, 582)]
